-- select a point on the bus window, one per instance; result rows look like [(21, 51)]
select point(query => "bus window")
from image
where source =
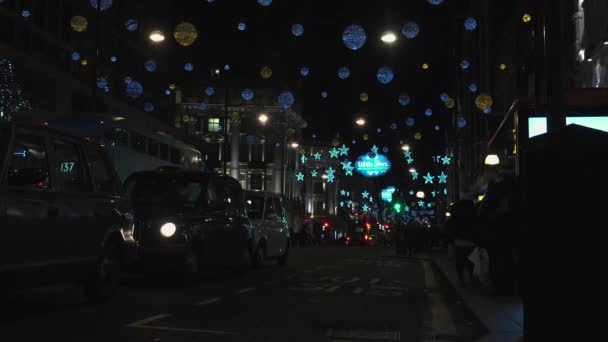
[(176, 156), (138, 142), (163, 150), (153, 146), (117, 136)]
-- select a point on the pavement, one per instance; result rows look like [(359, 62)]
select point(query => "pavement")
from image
[(332, 294)]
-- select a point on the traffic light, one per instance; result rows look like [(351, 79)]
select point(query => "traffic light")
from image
[(397, 207)]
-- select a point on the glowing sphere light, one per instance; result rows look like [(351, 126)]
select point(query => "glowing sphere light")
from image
[(354, 37), (404, 99), (483, 101), (131, 25), (148, 107), (266, 72), (150, 66), (461, 122), (470, 24), (344, 73), (428, 112), (134, 89), (410, 30), (410, 121), (210, 91), (103, 4), (286, 99), (75, 56), (297, 30), (247, 94), (304, 71), (188, 67), (79, 23), (473, 87), (265, 3), (241, 26), (464, 64), (185, 34), (364, 97), (385, 75)]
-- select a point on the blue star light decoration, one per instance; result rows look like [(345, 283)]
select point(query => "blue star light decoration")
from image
[(317, 156), (343, 150), (365, 207), (375, 149), (406, 209), (443, 178), (414, 177), (300, 177), (404, 99), (341, 204), (247, 94), (410, 161), (348, 193), (411, 192), (470, 24), (371, 199), (330, 175), (407, 154), (350, 202), (410, 30), (385, 75), (342, 192), (303, 159), (349, 170), (297, 30), (354, 37), (446, 160), (421, 204), (344, 73), (445, 191), (365, 194), (314, 173), (434, 193), (286, 99), (334, 153), (346, 164), (428, 179), (429, 205)]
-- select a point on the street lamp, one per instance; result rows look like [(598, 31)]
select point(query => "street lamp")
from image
[(389, 37), (420, 194), (405, 147), (263, 118), (157, 36), (295, 145), (492, 159), (412, 170), (360, 122)]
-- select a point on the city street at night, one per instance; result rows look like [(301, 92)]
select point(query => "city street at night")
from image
[(324, 294)]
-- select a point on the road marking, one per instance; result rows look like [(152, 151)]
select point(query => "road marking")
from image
[(148, 320), (442, 322), (374, 281), (249, 289), (358, 290), (333, 289), (196, 331), (429, 276), (209, 301)]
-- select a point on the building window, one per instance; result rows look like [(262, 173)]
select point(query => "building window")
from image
[(214, 125)]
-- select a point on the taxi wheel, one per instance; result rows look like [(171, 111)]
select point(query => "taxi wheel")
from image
[(105, 280)]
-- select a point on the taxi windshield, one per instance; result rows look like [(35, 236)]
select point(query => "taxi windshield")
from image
[(173, 190)]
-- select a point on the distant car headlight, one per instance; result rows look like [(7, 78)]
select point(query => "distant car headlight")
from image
[(168, 229)]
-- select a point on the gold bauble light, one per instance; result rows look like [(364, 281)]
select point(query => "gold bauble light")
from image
[(186, 119), (84, 62), (172, 86), (425, 66), (450, 103), (79, 23), (484, 101), (364, 97), (365, 137), (266, 72), (418, 136), (290, 131), (526, 18), (235, 116), (502, 66), (185, 34)]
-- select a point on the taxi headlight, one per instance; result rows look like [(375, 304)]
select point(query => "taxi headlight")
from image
[(168, 229)]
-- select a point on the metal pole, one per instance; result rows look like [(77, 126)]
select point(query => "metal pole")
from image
[(225, 129), (96, 55)]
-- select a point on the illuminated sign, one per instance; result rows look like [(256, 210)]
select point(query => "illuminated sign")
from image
[(372, 165), (387, 194)]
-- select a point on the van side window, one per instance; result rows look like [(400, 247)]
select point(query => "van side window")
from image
[(68, 172), (101, 171), (28, 165)]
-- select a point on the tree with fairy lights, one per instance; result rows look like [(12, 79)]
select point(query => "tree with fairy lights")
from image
[(12, 100)]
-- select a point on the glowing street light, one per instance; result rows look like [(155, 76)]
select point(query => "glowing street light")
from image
[(492, 159), (389, 37), (360, 122), (157, 36), (263, 118), (405, 147), (295, 145), (412, 170), (420, 194)]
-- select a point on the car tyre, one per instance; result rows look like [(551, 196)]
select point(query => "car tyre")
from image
[(105, 280)]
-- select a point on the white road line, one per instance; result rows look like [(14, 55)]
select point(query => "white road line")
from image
[(442, 322), (249, 289), (209, 301), (429, 276), (358, 290), (374, 281), (333, 289), (148, 320), (196, 331)]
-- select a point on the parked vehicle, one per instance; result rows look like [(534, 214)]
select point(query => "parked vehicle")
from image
[(190, 219), (62, 213), (271, 233)]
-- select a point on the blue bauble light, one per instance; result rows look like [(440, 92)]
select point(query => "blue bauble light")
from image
[(314, 136), (488, 110), (344, 73), (297, 30), (461, 122), (410, 30), (444, 97), (150, 66), (410, 121), (167, 92), (385, 75), (134, 89), (265, 3), (379, 130), (435, 2), (286, 99), (128, 79), (324, 94), (131, 25), (354, 37), (247, 94), (393, 126), (473, 87), (470, 24), (103, 4), (102, 82), (202, 105), (106, 89), (75, 56), (148, 107), (188, 67), (404, 99), (304, 71), (464, 64), (241, 26), (428, 112), (437, 128), (354, 141), (113, 59), (26, 13), (385, 149), (227, 67), (210, 91)]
